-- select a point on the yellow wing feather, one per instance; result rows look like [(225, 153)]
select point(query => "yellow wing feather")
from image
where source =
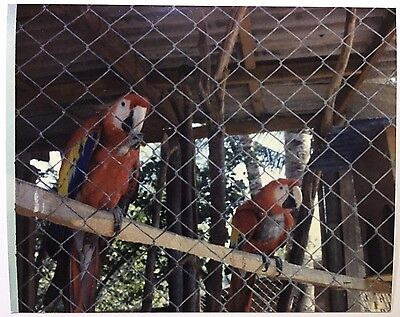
[(68, 167)]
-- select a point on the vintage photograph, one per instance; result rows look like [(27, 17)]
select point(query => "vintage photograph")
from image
[(204, 159)]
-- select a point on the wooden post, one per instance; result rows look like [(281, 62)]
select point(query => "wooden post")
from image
[(189, 227), (218, 230), (173, 212), (155, 210), (353, 253), (331, 234)]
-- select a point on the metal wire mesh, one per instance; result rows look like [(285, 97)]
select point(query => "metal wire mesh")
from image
[(239, 97)]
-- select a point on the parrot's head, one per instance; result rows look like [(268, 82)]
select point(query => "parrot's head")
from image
[(127, 114), (278, 195)]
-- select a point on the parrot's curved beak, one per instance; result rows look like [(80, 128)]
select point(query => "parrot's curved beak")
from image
[(127, 124), (294, 198)]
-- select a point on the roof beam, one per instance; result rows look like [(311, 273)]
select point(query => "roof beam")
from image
[(152, 130), (295, 70), (248, 48), (110, 46), (299, 70)]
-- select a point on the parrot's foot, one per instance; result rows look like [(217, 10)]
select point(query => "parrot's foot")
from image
[(228, 270), (135, 140), (118, 216), (267, 262)]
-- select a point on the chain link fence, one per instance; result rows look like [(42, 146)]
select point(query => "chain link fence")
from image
[(238, 97)]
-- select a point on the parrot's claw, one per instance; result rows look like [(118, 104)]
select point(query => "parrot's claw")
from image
[(136, 140), (278, 261), (227, 270), (118, 216)]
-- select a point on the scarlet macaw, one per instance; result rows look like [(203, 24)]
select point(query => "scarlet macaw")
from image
[(261, 226), (100, 161)]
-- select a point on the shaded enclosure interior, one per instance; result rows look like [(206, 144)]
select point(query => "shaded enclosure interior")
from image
[(232, 90)]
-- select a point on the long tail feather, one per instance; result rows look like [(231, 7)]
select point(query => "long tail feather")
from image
[(240, 292), (84, 274)]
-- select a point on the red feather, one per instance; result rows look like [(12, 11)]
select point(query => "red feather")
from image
[(247, 220)]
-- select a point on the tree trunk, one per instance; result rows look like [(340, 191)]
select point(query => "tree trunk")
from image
[(297, 155), (218, 230), (253, 173)]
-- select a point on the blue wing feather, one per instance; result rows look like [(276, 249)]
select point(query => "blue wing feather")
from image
[(82, 165), (76, 164)]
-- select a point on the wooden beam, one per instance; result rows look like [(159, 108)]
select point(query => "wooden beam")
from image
[(302, 68), (33, 201), (257, 97), (229, 43), (248, 47), (152, 130), (106, 44), (391, 142), (117, 53), (348, 37), (311, 180), (387, 33), (292, 70), (248, 43), (352, 237)]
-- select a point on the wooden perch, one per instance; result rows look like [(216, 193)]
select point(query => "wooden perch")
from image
[(33, 201)]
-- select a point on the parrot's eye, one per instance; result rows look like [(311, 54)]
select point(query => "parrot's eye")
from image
[(281, 187), (123, 103)]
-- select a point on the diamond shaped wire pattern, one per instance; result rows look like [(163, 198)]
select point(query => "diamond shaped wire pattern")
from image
[(204, 159)]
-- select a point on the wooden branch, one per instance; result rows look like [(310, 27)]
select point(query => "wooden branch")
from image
[(256, 98), (205, 65), (327, 119), (229, 43), (33, 201), (387, 32), (248, 43)]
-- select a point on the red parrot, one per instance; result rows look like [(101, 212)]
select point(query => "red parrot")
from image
[(261, 226), (98, 169)]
